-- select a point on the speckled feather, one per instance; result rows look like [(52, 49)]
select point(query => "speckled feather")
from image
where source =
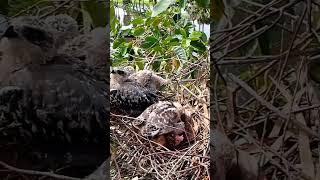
[(60, 97), (148, 79), (57, 101), (131, 99), (91, 48), (161, 118)]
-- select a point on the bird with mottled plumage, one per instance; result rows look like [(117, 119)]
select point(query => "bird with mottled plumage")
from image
[(64, 27), (167, 123), (128, 97), (52, 104), (91, 48), (149, 79), (57, 97)]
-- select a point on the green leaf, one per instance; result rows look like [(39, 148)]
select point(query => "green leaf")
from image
[(156, 65), (137, 21), (203, 3), (183, 32), (181, 53), (199, 46), (161, 6), (98, 10), (113, 19), (117, 42), (195, 35), (182, 4), (186, 43), (139, 63), (156, 22), (149, 42), (138, 31)]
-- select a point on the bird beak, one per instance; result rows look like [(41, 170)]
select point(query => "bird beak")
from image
[(10, 33)]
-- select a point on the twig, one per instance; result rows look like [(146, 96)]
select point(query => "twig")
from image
[(37, 173)]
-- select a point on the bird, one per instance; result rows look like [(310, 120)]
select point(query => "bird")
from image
[(149, 79), (91, 48), (129, 97), (166, 123), (58, 82), (64, 26), (50, 101), (119, 75)]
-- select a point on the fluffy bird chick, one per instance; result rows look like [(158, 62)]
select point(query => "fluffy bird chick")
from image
[(61, 91), (24, 44), (118, 76), (128, 97), (90, 48), (164, 122), (64, 27), (149, 79), (62, 23)]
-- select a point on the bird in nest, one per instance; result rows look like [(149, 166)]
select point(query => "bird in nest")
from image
[(149, 79), (47, 98), (63, 26), (91, 48), (128, 97), (167, 123), (132, 92)]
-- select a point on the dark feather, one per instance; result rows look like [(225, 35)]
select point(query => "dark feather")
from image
[(131, 99)]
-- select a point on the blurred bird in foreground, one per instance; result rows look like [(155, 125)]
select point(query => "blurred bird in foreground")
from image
[(91, 48), (49, 102)]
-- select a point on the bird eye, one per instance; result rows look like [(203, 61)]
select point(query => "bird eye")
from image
[(10, 33), (35, 36), (120, 72)]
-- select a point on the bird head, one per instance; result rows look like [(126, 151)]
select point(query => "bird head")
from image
[(25, 41), (117, 77), (62, 23), (149, 79), (63, 26)]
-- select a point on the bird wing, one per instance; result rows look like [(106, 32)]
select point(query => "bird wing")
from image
[(131, 99), (161, 118)]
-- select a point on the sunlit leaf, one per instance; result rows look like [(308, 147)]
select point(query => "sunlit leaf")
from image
[(138, 31), (176, 63), (139, 63), (117, 42), (195, 35), (149, 42), (161, 6), (180, 53), (137, 21)]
